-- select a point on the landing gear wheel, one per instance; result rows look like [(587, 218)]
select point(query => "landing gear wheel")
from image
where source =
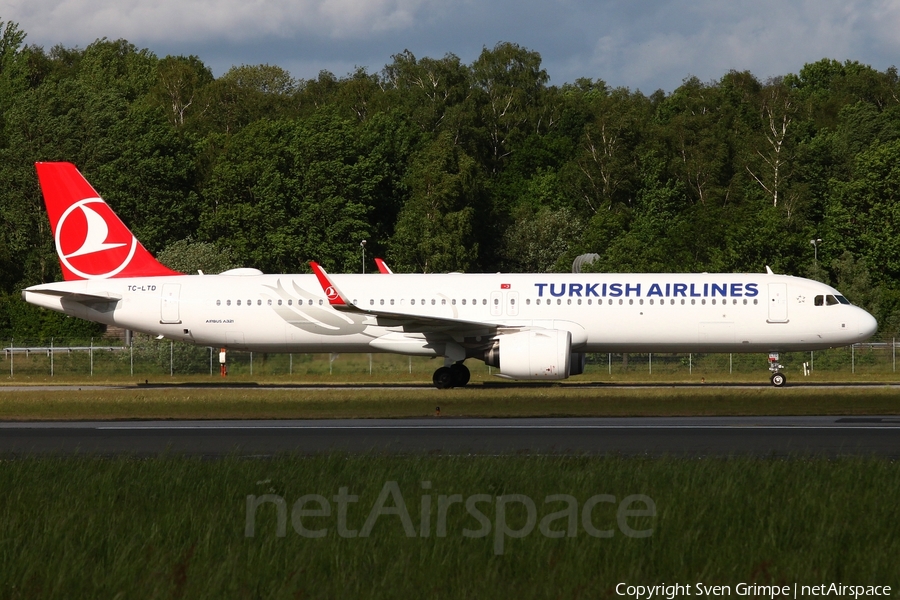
[(778, 379), (460, 374), (443, 378)]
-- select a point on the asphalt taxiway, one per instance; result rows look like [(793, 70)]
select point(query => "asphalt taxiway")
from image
[(651, 436)]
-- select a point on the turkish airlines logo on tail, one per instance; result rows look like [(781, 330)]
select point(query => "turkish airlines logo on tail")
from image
[(91, 241)]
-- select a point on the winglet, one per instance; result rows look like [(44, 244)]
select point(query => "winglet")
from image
[(382, 267), (335, 297), (769, 271)]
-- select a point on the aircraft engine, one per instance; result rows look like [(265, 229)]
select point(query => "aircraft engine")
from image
[(532, 354)]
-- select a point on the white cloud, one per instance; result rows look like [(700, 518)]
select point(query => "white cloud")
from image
[(648, 44), (77, 22)]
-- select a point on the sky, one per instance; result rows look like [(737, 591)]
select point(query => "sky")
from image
[(640, 44)]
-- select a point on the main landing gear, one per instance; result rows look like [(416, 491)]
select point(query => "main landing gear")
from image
[(456, 375), (778, 379)]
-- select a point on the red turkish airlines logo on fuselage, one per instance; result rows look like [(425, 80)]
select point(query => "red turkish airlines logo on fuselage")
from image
[(92, 242)]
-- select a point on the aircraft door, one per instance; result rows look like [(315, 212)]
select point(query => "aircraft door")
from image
[(778, 307), (168, 309), (496, 304), (512, 304)]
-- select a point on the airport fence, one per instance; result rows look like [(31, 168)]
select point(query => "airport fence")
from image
[(147, 358)]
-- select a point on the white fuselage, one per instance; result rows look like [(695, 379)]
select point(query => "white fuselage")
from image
[(603, 312)]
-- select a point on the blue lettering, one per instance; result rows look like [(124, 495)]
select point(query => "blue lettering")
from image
[(667, 289), (751, 290), (680, 289), (736, 289), (603, 292), (705, 290), (655, 290), (694, 293), (562, 289), (590, 289), (721, 289), (540, 287), (633, 288), (575, 289), (615, 289)]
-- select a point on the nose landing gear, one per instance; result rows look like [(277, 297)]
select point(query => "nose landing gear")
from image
[(778, 379), (456, 375)]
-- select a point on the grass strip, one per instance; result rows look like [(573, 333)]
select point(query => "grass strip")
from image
[(173, 527), (244, 403)]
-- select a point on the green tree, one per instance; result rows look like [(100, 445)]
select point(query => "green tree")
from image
[(435, 229)]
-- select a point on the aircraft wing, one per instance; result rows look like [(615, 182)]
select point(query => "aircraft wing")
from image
[(409, 322)]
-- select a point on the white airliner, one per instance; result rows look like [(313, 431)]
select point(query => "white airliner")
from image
[(529, 326)]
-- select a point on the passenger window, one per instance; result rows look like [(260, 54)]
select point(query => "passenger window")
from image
[(453, 302), (392, 301), (413, 301), (279, 302), (259, 302), (381, 301), (558, 301), (218, 303), (270, 302), (443, 301), (496, 301), (238, 302), (290, 302), (432, 301), (512, 301), (228, 303), (484, 301)]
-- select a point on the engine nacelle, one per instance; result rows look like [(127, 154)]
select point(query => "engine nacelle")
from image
[(577, 361), (532, 354)]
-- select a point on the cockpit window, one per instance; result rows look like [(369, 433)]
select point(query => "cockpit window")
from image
[(842, 300), (819, 300), (831, 300)]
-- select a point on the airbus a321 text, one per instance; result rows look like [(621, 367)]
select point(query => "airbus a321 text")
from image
[(529, 326)]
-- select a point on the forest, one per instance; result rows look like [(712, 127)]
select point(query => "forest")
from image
[(444, 166)]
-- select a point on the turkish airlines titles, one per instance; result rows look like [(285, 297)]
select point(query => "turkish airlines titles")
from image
[(667, 290)]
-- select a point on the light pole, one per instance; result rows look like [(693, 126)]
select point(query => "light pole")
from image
[(363, 246), (815, 244)]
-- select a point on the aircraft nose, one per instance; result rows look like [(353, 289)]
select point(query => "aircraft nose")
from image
[(867, 325)]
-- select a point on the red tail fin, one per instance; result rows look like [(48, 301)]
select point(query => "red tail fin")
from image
[(91, 241)]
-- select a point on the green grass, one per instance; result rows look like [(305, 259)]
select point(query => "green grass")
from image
[(174, 527), (519, 401)]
